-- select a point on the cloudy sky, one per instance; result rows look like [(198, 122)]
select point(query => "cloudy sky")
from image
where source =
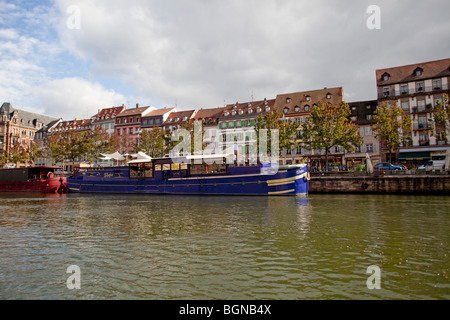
[(69, 58)]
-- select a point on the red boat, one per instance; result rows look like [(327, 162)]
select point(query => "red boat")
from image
[(33, 179)]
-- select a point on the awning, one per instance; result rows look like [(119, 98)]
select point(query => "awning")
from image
[(414, 156)]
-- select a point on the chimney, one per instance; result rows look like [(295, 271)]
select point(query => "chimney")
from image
[(137, 105)]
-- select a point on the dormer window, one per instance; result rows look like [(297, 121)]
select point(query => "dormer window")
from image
[(169, 120), (297, 108), (226, 113), (177, 119), (258, 109), (288, 100), (386, 76), (307, 98), (328, 95), (233, 112), (306, 107), (418, 72), (185, 119), (241, 112), (250, 110), (286, 110), (267, 109)]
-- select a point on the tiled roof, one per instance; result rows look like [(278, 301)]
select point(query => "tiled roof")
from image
[(180, 115), (107, 114), (432, 69), (135, 111), (206, 114), (248, 109), (26, 118), (159, 112), (296, 102)]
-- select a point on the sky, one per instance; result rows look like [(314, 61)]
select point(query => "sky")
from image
[(70, 58)]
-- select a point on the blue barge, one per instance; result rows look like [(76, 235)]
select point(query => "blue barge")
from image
[(166, 176)]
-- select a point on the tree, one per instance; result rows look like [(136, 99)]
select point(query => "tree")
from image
[(441, 115), (287, 130), (35, 151), (98, 142), (392, 126), (329, 126), (152, 142), (18, 153), (68, 145), (190, 126)]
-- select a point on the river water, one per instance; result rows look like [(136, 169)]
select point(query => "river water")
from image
[(228, 248)]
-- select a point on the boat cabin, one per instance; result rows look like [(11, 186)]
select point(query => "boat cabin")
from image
[(29, 174)]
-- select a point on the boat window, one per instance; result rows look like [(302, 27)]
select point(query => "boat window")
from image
[(141, 170), (206, 169)]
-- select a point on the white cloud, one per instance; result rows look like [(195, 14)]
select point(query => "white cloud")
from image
[(202, 52), (199, 53), (71, 98)]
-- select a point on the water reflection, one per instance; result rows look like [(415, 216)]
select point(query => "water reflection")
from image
[(184, 247)]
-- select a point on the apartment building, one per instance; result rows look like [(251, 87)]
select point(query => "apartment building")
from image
[(417, 88)]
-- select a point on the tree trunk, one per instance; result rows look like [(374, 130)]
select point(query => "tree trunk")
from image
[(326, 159)]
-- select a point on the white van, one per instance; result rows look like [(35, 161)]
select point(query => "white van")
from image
[(432, 165)]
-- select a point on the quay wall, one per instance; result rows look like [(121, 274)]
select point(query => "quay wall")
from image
[(387, 184)]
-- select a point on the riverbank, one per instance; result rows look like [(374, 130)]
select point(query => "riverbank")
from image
[(400, 182)]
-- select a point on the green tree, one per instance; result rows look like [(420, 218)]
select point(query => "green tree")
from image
[(441, 115), (98, 141), (151, 142), (392, 126), (287, 130), (35, 151), (68, 145), (18, 153), (329, 126)]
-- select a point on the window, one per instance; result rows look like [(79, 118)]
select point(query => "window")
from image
[(418, 72), (386, 91), (385, 76), (297, 108), (288, 100), (404, 89), (286, 110), (437, 84), (307, 98), (368, 131), (405, 105), (369, 117), (369, 147), (353, 118), (437, 101), (328, 95), (419, 86), (267, 109), (306, 107), (131, 130), (420, 105)]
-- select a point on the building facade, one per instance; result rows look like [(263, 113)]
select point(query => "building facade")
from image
[(19, 126), (128, 126), (362, 114), (106, 119), (417, 88), (297, 107)]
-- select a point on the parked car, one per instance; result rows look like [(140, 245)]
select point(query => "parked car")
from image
[(385, 166), (432, 165), (401, 166)]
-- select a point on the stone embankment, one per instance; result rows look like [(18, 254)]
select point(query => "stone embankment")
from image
[(395, 182)]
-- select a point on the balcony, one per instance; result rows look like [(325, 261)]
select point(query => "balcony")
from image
[(392, 93), (421, 126), (424, 143)]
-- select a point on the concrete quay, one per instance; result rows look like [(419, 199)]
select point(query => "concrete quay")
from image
[(400, 182)]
